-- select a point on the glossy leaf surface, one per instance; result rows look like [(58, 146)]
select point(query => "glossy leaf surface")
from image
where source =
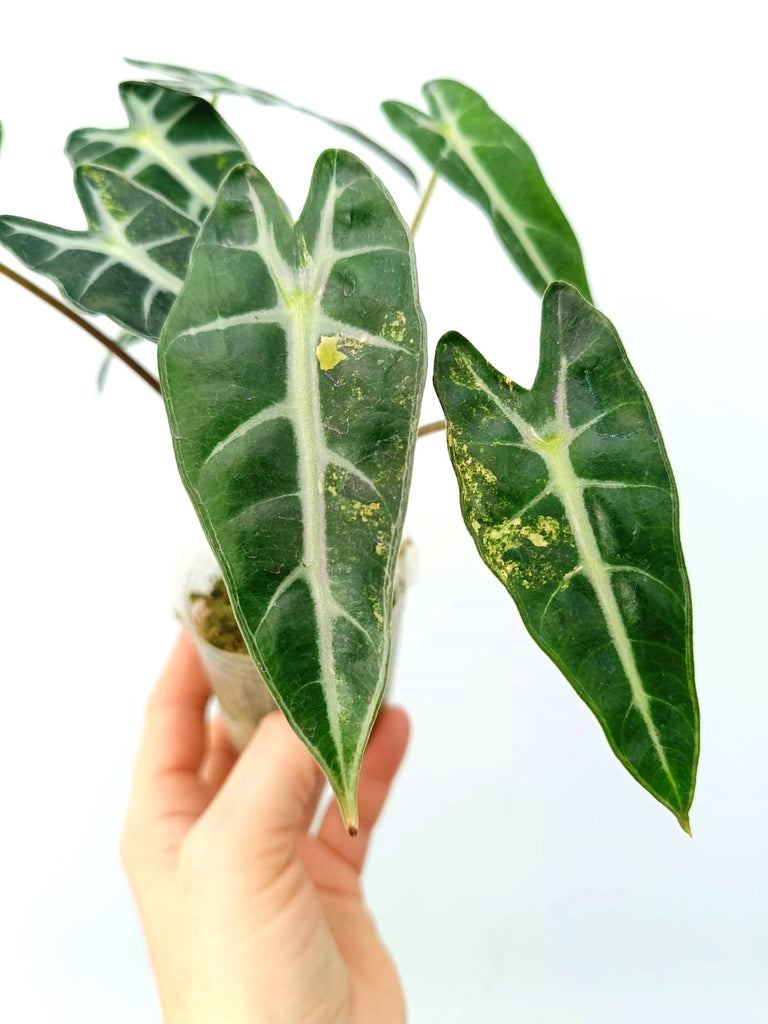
[(292, 367), (143, 202), (176, 145), (128, 264), (481, 155), (212, 84), (568, 494)]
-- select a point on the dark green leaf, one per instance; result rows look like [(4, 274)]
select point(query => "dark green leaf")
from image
[(143, 193), (128, 264), (212, 84), (470, 146), (175, 145), (292, 367), (568, 494)]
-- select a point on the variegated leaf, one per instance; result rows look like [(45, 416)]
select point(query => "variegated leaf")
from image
[(568, 494), (481, 155), (143, 193), (212, 84), (292, 367)]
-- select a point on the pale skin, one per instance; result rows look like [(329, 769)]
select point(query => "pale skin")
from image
[(248, 919)]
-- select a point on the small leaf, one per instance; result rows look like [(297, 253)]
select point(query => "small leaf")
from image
[(125, 340), (176, 145), (568, 494), (144, 192), (483, 157), (292, 367), (218, 85)]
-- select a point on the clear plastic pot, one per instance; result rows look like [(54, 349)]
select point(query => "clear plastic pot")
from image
[(235, 680)]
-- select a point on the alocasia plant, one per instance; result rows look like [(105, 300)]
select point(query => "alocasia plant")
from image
[(211, 84), (292, 360), (292, 368), (567, 492), (144, 190), (470, 146), (175, 145)]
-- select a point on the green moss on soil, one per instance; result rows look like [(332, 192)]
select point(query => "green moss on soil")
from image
[(214, 619)]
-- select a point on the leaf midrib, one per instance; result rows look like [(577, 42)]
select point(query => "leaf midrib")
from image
[(453, 134), (167, 156), (300, 281), (300, 291), (115, 246), (566, 486), (304, 400)]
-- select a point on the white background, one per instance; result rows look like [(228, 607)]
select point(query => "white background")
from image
[(519, 874)]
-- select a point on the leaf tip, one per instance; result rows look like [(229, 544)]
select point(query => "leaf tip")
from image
[(685, 823), (351, 820), (348, 809)]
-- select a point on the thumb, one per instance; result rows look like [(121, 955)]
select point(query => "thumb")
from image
[(271, 789)]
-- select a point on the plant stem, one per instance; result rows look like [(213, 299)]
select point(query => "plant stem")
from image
[(428, 428), (118, 352), (424, 202), (94, 332), (431, 428)]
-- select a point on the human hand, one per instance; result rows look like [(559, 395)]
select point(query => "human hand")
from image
[(249, 920)]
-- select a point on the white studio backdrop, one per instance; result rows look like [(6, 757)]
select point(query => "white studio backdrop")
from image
[(519, 873)]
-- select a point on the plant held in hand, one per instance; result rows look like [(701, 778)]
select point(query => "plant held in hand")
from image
[(292, 358)]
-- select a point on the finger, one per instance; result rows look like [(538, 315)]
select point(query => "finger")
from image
[(220, 756), (270, 790), (383, 757), (173, 744), (313, 803)]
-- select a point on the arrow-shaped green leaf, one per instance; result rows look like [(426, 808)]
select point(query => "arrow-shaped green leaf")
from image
[(175, 145), (568, 494), (143, 200), (483, 157), (292, 367), (128, 264), (212, 84)]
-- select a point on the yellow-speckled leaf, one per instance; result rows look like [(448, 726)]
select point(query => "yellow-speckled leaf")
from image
[(292, 367), (567, 491)]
